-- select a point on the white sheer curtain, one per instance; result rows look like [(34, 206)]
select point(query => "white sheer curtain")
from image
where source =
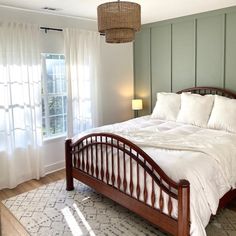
[(82, 54), (20, 104)]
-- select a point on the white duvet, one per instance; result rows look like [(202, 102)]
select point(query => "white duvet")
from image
[(205, 157)]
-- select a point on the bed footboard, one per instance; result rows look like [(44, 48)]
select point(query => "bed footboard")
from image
[(123, 172)]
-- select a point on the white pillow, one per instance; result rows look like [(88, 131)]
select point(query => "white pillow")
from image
[(223, 114), (195, 109), (167, 106)]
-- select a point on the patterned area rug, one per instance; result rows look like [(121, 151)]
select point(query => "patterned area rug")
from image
[(51, 210)]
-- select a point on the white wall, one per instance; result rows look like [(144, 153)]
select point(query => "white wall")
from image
[(117, 81), (116, 74)]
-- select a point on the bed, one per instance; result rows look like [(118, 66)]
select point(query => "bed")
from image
[(124, 168)]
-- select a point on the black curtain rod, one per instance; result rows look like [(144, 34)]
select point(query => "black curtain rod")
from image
[(46, 29), (56, 29)]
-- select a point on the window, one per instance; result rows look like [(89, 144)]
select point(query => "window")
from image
[(54, 95)]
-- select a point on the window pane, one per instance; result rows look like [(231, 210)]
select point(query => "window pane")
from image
[(55, 70), (43, 108), (63, 86), (56, 125), (50, 83), (44, 127), (49, 66), (55, 105), (54, 102), (57, 85), (65, 104)]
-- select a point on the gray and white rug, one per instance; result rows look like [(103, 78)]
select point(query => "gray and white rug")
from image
[(51, 210)]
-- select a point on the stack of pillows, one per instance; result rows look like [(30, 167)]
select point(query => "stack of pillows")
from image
[(209, 111)]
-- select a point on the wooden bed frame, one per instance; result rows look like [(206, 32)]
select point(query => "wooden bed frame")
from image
[(107, 151)]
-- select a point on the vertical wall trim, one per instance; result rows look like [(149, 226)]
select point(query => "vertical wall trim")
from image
[(150, 34), (134, 80), (195, 51), (224, 49), (171, 57)]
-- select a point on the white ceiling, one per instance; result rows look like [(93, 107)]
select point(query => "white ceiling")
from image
[(152, 10)]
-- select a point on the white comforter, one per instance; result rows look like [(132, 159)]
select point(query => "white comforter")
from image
[(205, 157)]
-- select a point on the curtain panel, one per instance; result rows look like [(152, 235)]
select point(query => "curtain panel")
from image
[(20, 104), (82, 55)]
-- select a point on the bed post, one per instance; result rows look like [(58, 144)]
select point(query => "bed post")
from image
[(68, 157), (184, 208)]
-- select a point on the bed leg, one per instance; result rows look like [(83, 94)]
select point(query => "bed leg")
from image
[(184, 208), (68, 157)]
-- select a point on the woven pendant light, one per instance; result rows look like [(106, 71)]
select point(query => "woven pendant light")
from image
[(119, 21)]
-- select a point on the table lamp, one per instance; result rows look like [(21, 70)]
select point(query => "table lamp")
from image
[(137, 104)]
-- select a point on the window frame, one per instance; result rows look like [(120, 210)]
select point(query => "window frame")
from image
[(45, 96)]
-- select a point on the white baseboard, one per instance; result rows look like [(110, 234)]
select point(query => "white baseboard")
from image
[(54, 167)]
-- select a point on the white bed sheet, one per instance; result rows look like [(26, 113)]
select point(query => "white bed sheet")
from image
[(205, 157)]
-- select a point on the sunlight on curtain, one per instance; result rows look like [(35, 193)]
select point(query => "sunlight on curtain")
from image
[(20, 104), (82, 55)]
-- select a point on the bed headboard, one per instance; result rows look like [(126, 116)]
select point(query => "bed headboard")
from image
[(210, 90)]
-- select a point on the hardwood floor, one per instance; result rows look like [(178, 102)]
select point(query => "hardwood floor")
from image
[(9, 226), (32, 184)]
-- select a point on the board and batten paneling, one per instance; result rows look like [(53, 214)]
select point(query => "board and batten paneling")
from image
[(161, 60), (197, 50), (142, 83), (183, 55), (210, 51), (230, 49)]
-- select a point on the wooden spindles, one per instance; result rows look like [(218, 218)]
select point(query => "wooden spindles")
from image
[(83, 152), (91, 157), (79, 156), (87, 158), (131, 185), (102, 170), (118, 167), (161, 199), (170, 205), (107, 166), (138, 186), (75, 159), (124, 180), (145, 192), (153, 196), (112, 163)]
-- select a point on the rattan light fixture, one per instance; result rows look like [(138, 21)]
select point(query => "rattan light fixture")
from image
[(119, 21)]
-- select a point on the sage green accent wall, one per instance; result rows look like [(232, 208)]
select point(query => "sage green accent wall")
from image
[(161, 55), (197, 50), (210, 45), (183, 55), (230, 49), (142, 82)]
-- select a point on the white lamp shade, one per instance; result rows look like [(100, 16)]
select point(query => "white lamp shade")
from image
[(137, 104)]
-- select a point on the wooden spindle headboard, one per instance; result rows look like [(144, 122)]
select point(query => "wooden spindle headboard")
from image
[(210, 90)]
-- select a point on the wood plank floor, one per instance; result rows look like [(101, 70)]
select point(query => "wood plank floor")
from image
[(32, 184), (10, 227)]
